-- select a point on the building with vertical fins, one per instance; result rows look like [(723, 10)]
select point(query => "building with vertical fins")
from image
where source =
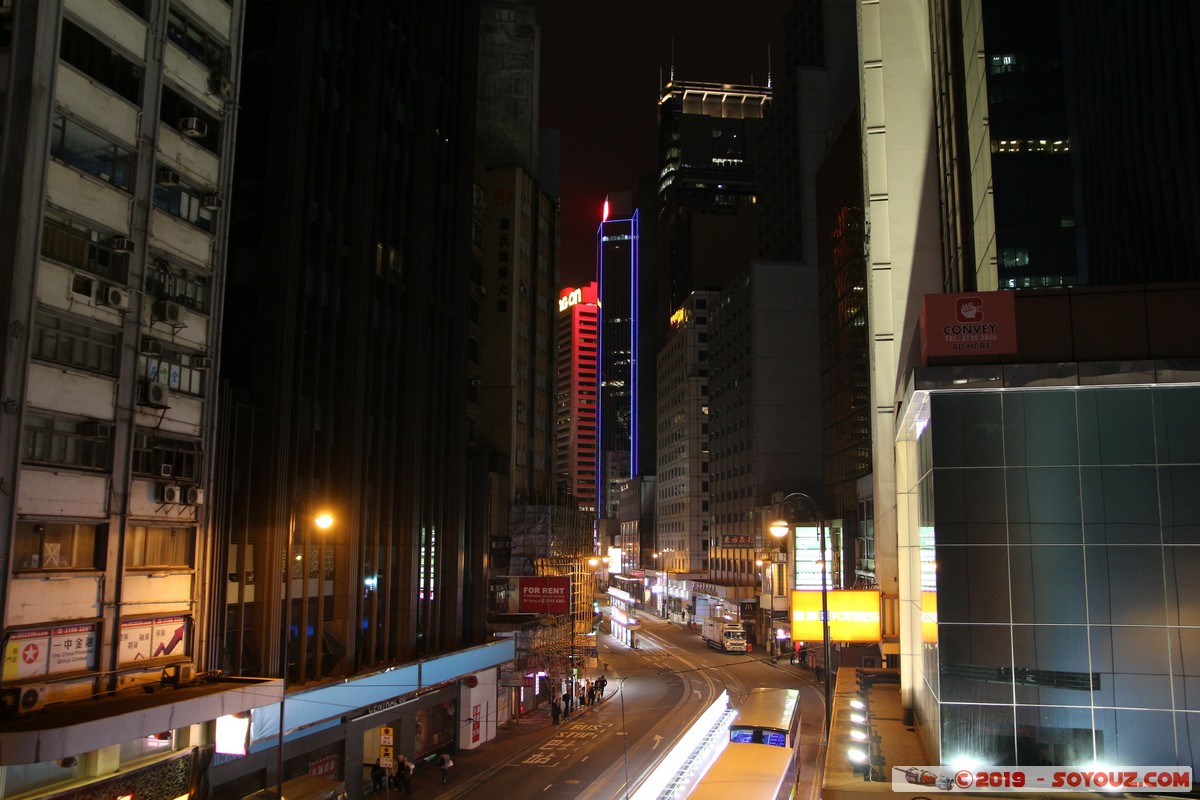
[(347, 354), (117, 154)]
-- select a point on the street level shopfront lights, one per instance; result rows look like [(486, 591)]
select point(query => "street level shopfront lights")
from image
[(781, 528)]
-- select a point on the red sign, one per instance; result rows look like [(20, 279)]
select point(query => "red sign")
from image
[(475, 724), (964, 325), (545, 595)]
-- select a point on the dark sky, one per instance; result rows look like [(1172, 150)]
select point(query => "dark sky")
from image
[(601, 64)]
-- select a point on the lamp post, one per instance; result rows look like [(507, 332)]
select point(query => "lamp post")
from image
[(781, 528), (322, 520)]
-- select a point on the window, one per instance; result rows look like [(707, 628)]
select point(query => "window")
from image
[(73, 343), (79, 246), (175, 369), (205, 48), (90, 152), (175, 110), (163, 457), (56, 545), (151, 547), (166, 281), (101, 62), (183, 200), (68, 443)]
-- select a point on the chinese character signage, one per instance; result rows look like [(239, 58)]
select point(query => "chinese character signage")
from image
[(67, 648), (737, 540), (158, 637)]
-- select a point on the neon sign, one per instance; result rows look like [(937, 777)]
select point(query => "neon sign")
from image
[(569, 299)]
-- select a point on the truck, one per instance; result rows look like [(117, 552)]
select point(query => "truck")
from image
[(723, 635)]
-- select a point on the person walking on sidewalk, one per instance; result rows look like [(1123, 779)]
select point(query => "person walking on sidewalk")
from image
[(555, 710), (601, 683), (446, 764)]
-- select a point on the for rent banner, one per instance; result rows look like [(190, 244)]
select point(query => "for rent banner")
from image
[(545, 595)]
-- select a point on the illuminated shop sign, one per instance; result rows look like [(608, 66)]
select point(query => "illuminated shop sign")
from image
[(853, 616), (569, 299)]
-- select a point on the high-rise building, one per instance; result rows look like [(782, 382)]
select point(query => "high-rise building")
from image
[(509, 77), (577, 395), (682, 504), (765, 422), (347, 353), (1031, 447), (118, 134), (618, 281), (707, 188)]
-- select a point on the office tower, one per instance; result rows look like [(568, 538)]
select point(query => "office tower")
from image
[(346, 353), (577, 395), (618, 278), (1029, 474), (765, 428), (511, 347), (509, 76), (707, 189), (118, 130), (681, 510)]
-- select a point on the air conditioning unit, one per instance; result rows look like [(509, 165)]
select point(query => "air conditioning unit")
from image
[(201, 362), (212, 202), (175, 674), (32, 698), (195, 496), (123, 245), (170, 493), (167, 311), (194, 127), (220, 85), (100, 430), (166, 470), (154, 394), (168, 177), (112, 296), (151, 347)]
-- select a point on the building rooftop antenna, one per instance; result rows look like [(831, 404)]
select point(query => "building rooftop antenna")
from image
[(768, 66)]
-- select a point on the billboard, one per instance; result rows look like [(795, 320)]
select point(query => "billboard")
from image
[(968, 324), (551, 595), (853, 616)]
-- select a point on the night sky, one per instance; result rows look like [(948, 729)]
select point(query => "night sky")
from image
[(600, 73)]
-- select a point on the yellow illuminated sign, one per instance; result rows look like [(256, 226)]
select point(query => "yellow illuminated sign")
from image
[(929, 631), (853, 616)]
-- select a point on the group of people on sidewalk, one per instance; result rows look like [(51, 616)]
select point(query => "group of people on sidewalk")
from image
[(587, 693), (400, 774)]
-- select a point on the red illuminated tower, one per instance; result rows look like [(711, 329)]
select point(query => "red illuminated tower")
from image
[(577, 393)]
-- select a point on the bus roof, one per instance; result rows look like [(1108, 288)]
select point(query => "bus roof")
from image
[(773, 709), (745, 771)]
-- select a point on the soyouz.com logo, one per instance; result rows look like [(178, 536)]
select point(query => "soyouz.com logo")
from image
[(1044, 779)]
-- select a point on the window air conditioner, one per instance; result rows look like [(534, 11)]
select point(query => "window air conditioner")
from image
[(167, 311), (195, 496), (194, 127), (201, 362), (154, 395), (122, 245), (151, 347), (168, 177), (171, 493), (166, 470), (101, 430), (220, 85), (112, 296), (212, 202)]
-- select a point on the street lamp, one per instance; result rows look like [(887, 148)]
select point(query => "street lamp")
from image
[(323, 520), (781, 528)]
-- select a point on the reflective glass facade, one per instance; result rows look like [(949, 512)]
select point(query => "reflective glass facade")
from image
[(1059, 531)]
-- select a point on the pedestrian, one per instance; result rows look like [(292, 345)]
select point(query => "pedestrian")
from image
[(555, 711), (582, 695), (591, 690), (405, 773), (377, 775), (601, 685), (446, 765), (566, 698)]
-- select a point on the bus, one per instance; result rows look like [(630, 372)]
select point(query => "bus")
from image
[(767, 716), (749, 772)]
